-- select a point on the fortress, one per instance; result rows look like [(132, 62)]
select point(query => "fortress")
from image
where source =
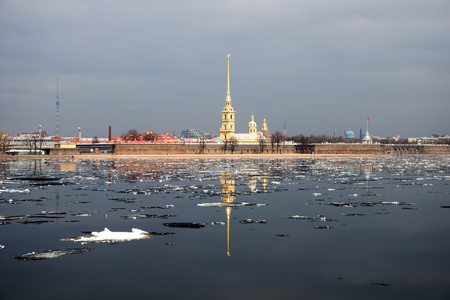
[(227, 130), (252, 142)]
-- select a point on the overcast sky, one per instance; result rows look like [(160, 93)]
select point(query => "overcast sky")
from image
[(161, 65)]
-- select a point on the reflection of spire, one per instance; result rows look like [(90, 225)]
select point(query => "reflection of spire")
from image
[(228, 210), (367, 170), (228, 196), (57, 203)]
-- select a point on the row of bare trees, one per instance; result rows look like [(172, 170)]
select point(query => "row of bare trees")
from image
[(5, 140), (230, 145), (34, 142), (133, 135)]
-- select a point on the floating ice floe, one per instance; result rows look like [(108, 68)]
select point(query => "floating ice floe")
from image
[(20, 191), (146, 216), (312, 219), (82, 215), (110, 236), (252, 221), (10, 218), (218, 223), (235, 204), (51, 254), (323, 227)]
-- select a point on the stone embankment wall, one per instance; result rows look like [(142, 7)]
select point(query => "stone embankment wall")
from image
[(373, 149), (171, 149), (319, 149)]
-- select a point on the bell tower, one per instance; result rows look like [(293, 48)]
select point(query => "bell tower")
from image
[(264, 126), (228, 121), (252, 126)]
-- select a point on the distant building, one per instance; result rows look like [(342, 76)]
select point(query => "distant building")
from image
[(192, 134), (367, 139), (349, 134)]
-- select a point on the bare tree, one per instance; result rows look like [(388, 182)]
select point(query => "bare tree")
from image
[(131, 135), (225, 145), (202, 144), (278, 138), (34, 142), (233, 144), (149, 136), (273, 142), (262, 143), (4, 142)]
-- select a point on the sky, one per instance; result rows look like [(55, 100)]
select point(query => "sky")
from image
[(306, 66)]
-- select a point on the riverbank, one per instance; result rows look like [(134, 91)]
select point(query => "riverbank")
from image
[(181, 156)]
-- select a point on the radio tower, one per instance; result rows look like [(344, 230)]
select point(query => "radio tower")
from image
[(57, 108)]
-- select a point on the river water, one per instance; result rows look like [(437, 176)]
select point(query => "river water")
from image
[(331, 228)]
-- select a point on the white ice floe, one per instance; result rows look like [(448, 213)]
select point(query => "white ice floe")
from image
[(51, 254), (110, 236), (21, 191), (217, 204), (235, 204)]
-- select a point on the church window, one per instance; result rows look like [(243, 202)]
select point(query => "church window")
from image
[(231, 126), (225, 126), (225, 116), (231, 116)]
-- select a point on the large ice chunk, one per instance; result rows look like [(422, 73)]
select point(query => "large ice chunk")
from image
[(110, 236)]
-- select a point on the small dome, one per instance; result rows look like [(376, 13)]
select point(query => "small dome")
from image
[(349, 134)]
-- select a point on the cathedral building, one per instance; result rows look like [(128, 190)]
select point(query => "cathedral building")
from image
[(228, 128)]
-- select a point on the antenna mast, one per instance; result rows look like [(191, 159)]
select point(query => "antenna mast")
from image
[(57, 107)]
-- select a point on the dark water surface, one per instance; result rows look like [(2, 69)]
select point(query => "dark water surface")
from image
[(373, 228)]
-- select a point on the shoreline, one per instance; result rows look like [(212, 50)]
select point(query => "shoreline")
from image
[(194, 156)]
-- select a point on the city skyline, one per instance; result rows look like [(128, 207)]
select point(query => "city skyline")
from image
[(160, 66)]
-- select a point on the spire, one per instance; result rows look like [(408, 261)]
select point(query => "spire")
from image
[(228, 99), (228, 76), (367, 139)]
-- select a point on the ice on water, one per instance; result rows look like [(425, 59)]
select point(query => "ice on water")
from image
[(110, 236)]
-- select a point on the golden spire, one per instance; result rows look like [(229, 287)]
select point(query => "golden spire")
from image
[(228, 76), (227, 129)]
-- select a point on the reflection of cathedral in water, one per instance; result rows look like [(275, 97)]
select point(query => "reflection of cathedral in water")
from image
[(227, 181), (228, 196)]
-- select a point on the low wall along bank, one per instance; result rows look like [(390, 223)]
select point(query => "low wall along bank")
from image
[(217, 149)]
